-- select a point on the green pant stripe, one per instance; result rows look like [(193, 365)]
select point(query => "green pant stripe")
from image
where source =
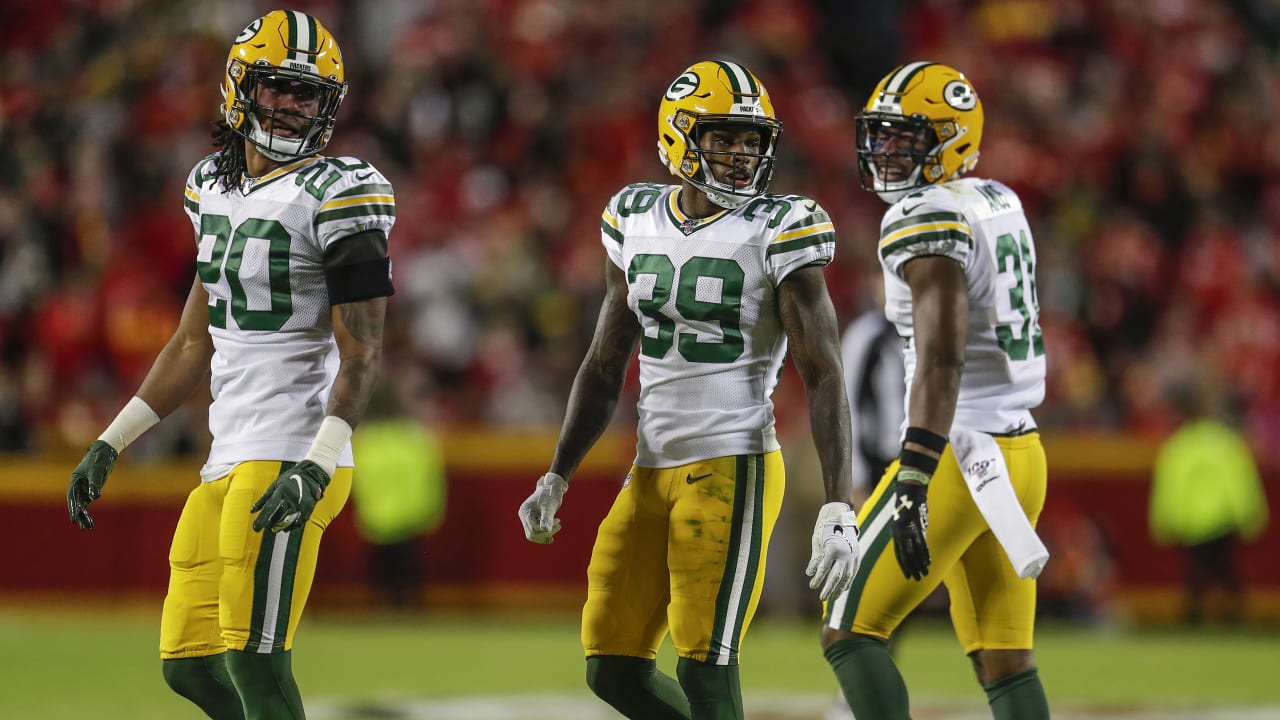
[(877, 531), (742, 563), (273, 587)]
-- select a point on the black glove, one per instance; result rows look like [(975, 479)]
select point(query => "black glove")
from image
[(910, 522), (292, 497), (87, 481)]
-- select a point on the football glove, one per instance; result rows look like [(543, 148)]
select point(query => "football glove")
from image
[(87, 481), (836, 555), (910, 524), (538, 513), (291, 498)]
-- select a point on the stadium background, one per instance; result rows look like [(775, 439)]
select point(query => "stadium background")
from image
[(1142, 137)]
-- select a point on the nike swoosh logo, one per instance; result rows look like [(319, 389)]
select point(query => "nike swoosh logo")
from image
[(913, 208), (691, 479), (365, 176)]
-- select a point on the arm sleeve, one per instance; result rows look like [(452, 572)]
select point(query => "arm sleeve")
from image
[(357, 268)]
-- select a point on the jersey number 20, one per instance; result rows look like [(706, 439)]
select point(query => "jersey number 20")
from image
[(231, 243)]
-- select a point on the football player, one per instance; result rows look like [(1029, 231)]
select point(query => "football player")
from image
[(712, 279), (286, 316), (959, 271)]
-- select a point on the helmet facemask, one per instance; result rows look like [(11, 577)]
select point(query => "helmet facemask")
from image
[(309, 127), (696, 166), (898, 154)]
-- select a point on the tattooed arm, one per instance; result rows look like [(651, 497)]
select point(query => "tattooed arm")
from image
[(813, 337), (357, 326), (599, 381)]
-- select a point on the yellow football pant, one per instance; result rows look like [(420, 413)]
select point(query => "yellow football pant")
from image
[(991, 608), (683, 547), (231, 587)]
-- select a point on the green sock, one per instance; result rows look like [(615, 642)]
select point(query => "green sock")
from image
[(1018, 697), (635, 688), (869, 678), (266, 685), (714, 691), (205, 682)]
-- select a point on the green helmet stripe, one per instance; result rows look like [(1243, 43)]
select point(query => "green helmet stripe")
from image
[(739, 79), (313, 38), (291, 42), (899, 81), (303, 34)]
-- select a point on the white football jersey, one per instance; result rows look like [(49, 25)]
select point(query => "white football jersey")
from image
[(260, 253), (980, 224), (705, 292)]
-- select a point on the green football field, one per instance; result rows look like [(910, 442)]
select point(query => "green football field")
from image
[(77, 664)]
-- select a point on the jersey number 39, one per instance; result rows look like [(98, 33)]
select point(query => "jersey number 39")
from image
[(727, 310)]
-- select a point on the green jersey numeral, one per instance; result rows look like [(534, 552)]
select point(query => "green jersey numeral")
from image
[(1013, 255), (727, 310), (230, 243)]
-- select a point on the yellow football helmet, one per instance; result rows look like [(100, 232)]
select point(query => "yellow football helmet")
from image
[(711, 93), (921, 126), (289, 52)]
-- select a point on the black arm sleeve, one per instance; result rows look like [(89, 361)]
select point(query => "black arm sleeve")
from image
[(357, 268)]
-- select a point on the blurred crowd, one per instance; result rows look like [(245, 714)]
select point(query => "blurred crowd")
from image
[(1142, 136)]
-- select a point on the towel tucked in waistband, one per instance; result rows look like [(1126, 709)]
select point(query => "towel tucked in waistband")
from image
[(987, 475)]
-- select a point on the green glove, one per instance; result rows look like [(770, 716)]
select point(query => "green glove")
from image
[(87, 481), (292, 497)]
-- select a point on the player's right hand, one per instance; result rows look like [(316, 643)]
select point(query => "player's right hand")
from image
[(835, 553), (87, 481), (538, 513), (910, 524)]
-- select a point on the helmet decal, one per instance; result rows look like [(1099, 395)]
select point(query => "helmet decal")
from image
[(683, 87), (960, 95), (249, 31)]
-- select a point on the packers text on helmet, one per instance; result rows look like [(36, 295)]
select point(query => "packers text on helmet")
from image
[(284, 52), (921, 126), (711, 94)]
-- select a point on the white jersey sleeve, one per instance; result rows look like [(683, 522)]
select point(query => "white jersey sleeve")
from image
[(981, 225), (356, 198), (805, 235)]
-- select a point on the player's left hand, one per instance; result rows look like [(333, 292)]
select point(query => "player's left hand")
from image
[(291, 498), (836, 556), (910, 523), (87, 481)]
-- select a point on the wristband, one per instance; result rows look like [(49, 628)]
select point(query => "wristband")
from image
[(911, 458), (927, 438), (914, 476), (333, 436), (135, 418)]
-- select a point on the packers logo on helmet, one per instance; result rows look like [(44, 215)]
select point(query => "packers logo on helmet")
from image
[(284, 51), (708, 94), (921, 126)]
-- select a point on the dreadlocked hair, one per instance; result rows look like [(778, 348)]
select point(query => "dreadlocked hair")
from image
[(229, 167)]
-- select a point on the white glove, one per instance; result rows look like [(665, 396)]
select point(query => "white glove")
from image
[(835, 556), (538, 513)]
